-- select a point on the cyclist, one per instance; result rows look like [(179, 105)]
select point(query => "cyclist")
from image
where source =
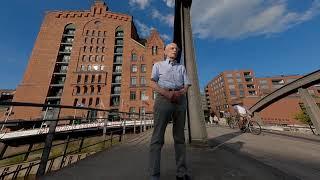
[(242, 114)]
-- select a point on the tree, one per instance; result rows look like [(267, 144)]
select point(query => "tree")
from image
[(303, 117)]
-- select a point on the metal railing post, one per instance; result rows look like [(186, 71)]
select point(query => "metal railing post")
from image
[(27, 154), (65, 151), (144, 121), (105, 128), (81, 144), (134, 123), (140, 116), (3, 151), (7, 117), (124, 126), (48, 144)]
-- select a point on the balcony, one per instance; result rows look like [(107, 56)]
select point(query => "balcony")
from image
[(117, 72), (115, 94), (117, 62), (69, 32), (250, 86), (60, 72), (119, 34), (63, 62), (119, 42), (252, 93), (67, 41), (116, 83), (54, 97), (65, 51)]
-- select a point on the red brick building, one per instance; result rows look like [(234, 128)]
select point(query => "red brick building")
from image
[(93, 58), (242, 87)]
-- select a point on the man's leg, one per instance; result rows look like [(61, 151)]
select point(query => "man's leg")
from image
[(179, 118), (162, 113)]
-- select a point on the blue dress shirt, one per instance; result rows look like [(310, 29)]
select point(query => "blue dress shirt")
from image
[(170, 75)]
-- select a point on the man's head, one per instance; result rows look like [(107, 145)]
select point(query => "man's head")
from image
[(171, 51)]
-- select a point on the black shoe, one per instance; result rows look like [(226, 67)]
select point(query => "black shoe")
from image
[(185, 177)]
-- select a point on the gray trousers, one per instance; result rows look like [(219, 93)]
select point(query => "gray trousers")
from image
[(164, 111)]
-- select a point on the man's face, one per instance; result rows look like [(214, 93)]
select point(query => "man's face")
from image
[(171, 51)]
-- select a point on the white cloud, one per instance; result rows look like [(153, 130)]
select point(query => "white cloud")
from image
[(234, 19), (165, 37), (169, 3), (167, 19), (141, 3), (143, 28)]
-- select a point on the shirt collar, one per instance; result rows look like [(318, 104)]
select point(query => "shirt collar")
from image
[(171, 62)]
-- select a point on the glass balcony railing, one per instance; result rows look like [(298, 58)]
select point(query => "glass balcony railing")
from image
[(61, 71), (117, 62), (116, 92), (117, 71), (70, 32), (117, 82)]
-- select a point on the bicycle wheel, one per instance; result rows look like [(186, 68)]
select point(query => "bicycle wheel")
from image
[(232, 123), (255, 127)]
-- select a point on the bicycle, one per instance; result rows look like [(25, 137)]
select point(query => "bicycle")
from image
[(248, 124), (233, 122), (252, 125)]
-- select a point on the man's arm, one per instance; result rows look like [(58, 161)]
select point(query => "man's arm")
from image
[(158, 89)]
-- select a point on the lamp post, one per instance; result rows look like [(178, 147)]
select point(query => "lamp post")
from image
[(183, 38)]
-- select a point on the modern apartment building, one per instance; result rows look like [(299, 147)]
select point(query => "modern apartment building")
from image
[(242, 87), (92, 58)]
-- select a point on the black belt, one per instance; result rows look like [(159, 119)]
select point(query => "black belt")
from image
[(173, 89)]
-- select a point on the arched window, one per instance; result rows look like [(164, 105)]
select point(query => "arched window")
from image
[(92, 89), (97, 101), (70, 29), (86, 79), (75, 102), (92, 78), (99, 78), (92, 58), (97, 58), (77, 90), (134, 56), (119, 32), (85, 90), (83, 101), (154, 50), (79, 79), (99, 89), (90, 101)]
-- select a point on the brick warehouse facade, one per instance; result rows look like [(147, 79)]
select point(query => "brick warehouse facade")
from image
[(93, 58), (242, 87)]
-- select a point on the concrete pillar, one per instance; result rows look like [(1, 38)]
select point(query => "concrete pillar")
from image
[(257, 117), (196, 123), (311, 107)]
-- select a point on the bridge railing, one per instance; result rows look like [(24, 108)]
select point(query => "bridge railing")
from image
[(83, 131)]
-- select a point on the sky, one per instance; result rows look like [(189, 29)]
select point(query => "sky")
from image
[(271, 37)]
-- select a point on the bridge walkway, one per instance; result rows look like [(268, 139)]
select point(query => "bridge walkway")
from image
[(129, 161)]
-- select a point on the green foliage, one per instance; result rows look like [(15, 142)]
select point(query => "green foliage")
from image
[(303, 117)]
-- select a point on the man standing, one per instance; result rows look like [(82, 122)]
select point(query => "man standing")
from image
[(169, 79)]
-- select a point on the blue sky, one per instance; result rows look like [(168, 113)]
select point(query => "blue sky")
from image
[(271, 37)]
